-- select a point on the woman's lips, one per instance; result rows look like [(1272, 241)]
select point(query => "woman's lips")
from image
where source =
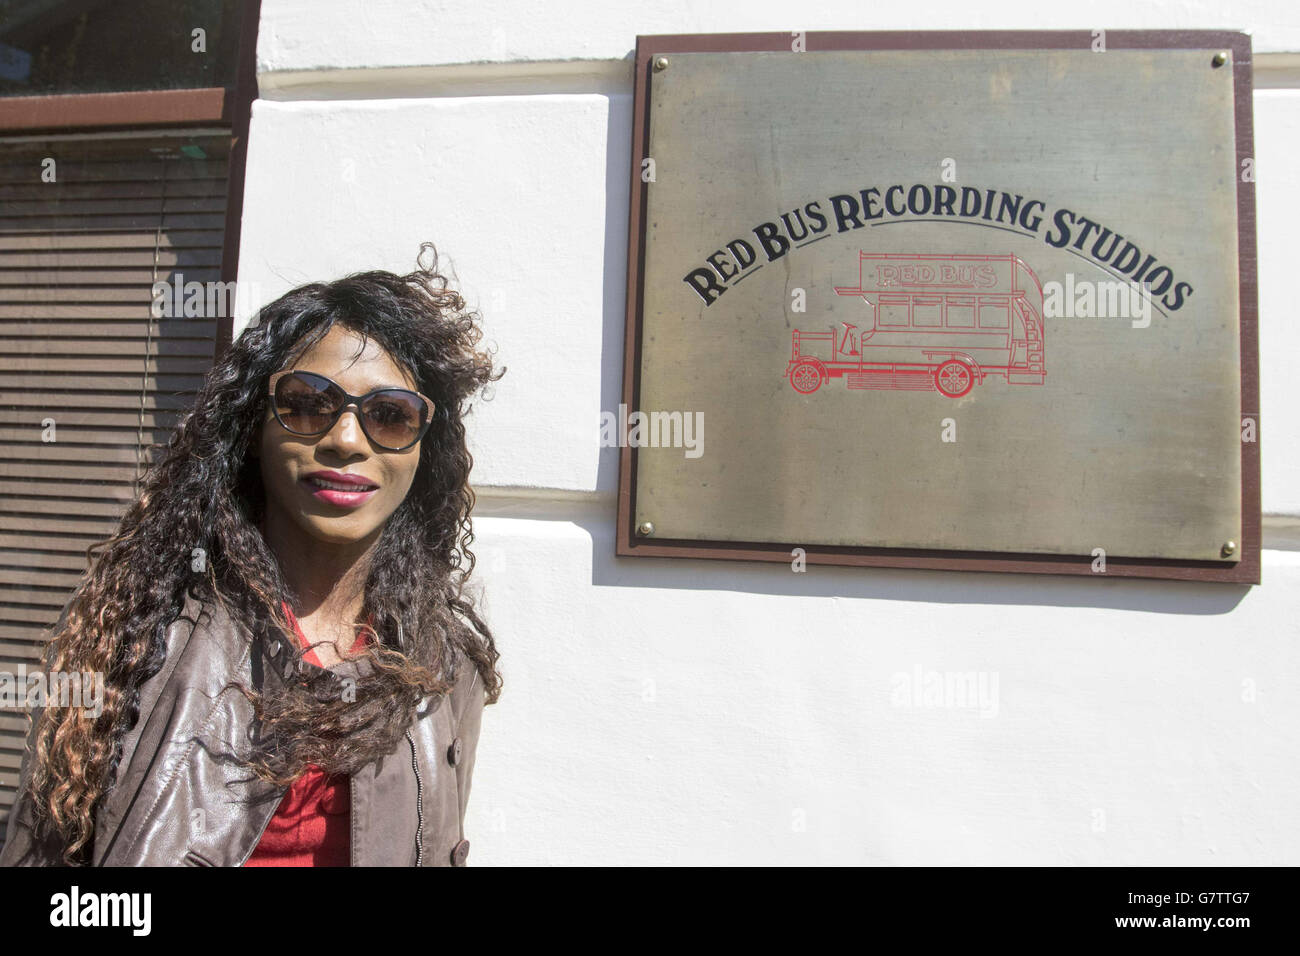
[(342, 494)]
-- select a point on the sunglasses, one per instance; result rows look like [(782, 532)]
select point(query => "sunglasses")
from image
[(309, 404)]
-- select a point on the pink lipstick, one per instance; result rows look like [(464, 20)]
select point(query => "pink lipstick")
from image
[(337, 488)]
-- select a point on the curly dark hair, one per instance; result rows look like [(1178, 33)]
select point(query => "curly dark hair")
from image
[(205, 490)]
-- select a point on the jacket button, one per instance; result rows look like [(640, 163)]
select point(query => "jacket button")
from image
[(459, 853), (454, 752)]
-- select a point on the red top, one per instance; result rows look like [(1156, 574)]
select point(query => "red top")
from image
[(310, 828)]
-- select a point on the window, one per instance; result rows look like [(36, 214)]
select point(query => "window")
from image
[(93, 381), (926, 311), (148, 139), (994, 313), (894, 311), (961, 312), (77, 47)]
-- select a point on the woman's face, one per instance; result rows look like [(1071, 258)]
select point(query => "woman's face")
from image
[(292, 465)]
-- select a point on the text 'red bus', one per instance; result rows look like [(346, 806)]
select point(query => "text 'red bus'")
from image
[(945, 322)]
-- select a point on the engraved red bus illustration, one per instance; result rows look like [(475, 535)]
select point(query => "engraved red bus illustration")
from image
[(931, 322)]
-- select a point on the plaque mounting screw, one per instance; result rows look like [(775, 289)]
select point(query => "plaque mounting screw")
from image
[(661, 64), (1220, 58), (645, 529), (1229, 549)]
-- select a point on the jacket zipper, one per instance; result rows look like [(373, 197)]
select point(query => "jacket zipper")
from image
[(419, 802)]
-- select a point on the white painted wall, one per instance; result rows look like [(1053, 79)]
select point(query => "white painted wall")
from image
[(665, 711)]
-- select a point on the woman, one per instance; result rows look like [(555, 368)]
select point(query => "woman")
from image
[(293, 672)]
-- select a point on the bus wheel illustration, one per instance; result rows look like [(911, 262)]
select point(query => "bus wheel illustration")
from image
[(954, 378), (806, 377)]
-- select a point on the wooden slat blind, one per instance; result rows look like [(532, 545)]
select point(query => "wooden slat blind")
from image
[(79, 344)]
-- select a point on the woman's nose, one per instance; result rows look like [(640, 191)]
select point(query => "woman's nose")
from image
[(347, 432)]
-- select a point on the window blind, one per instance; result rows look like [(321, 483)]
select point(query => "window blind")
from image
[(91, 381)]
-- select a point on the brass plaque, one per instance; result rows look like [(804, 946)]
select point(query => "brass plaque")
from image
[(956, 299)]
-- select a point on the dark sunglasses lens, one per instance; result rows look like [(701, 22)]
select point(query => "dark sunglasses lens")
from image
[(306, 404), (394, 418)]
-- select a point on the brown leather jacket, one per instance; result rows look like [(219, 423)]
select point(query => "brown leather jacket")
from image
[(177, 802)]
